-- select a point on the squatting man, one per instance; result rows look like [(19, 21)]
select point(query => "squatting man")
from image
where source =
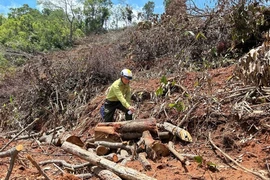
[(118, 97)]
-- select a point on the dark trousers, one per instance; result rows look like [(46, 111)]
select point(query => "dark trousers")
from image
[(109, 110)]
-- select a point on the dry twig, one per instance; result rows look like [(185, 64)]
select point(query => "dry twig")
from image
[(30, 125), (38, 167), (231, 159)]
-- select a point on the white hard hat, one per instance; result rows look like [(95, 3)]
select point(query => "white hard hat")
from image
[(126, 73)]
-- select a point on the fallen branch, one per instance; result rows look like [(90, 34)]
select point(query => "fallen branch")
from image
[(30, 125), (187, 115), (115, 145), (38, 167), (179, 156), (145, 163), (231, 159), (123, 172), (13, 152), (84, 176), (102, 173), (64, 163)]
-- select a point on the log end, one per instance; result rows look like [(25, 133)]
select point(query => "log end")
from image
[(185, 136), (19, 147)]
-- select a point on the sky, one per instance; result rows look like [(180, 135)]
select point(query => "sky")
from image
[(5, 5)]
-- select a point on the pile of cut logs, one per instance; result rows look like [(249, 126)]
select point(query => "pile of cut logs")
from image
[(115, 143)]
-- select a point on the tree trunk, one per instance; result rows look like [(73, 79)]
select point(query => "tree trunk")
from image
[(114, 131), (123, 172)]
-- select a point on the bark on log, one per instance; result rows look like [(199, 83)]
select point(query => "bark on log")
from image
[(104, 174), (122, 145), (114, 131), (123, 172), (137, 135), (179, 156), (154, 148), (164, 135), (145, 163), (179, 132)]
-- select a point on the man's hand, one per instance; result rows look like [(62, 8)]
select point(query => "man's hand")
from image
[(132, 109)]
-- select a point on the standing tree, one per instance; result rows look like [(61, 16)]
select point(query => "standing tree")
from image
[(127, 14), (70, 9), (148, 10), (96, 14)]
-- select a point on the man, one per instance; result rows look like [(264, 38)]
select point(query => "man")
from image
[(118, 97)]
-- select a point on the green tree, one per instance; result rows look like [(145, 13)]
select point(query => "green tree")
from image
[(96, 13), (25, 9), (70, 9), (148, 9)]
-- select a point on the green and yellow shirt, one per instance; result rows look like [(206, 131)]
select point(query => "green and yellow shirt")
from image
[(119, 91)]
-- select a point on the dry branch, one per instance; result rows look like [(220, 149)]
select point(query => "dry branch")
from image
[(186, 117), (123, 172), (231, 159), (145, 163), (38, 167), (122, 145), (179, 156), (64, 163), (13, 152), (29, 126)]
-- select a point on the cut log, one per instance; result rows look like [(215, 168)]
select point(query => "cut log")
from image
[(154, 148), (114, 131), (145, 163), (164, 135), (123, 172), (106, 133), (177, 131), (13, 152), (114, 157), (69, 138), (179, 156), (102, 150)]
